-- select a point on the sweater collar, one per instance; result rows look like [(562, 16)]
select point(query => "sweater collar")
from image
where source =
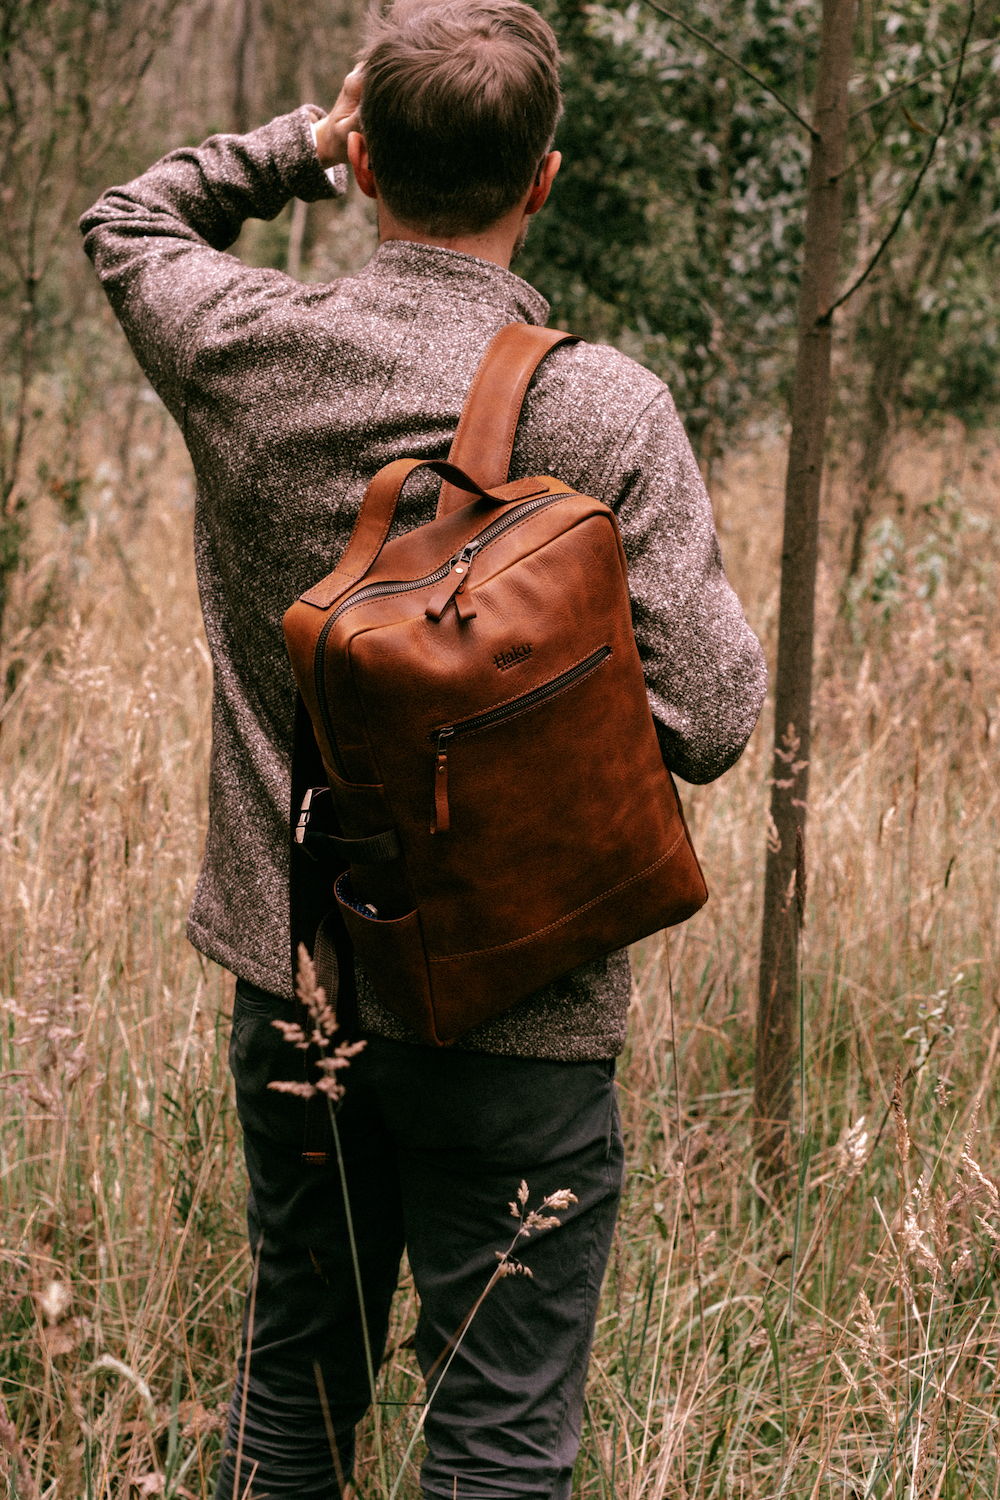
[(459, 275)]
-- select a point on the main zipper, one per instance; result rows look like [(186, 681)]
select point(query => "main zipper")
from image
[(381, 590), (493, 716)]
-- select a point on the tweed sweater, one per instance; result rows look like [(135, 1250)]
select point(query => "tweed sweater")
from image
[(290, 397)]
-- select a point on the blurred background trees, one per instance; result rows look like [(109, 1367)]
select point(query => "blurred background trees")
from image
[(682, 234), (676, 225), (70, 71), (91, 91)]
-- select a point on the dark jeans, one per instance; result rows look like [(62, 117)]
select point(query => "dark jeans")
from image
[(436, 1144)]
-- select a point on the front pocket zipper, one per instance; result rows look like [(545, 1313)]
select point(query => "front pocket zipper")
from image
[(441, 821), (404, 586)]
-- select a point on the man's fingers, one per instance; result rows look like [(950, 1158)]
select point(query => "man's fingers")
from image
[(332, 132), (345, 111), (350, 91)]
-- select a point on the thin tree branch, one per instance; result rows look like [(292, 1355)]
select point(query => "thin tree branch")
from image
[(940, 68), (915, 187), (873, 145), (748, 72), (956, 114)]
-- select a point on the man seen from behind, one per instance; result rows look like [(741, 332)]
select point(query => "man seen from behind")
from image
[(290, 398)]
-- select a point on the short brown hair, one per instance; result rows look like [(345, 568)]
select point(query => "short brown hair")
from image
[(459, 106)]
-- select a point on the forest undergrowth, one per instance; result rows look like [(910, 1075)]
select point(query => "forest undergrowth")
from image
[(834, 1331)]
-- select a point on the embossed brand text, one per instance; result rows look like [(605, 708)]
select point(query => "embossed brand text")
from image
[(505, 659)]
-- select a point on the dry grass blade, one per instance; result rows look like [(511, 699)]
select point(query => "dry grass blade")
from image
[(122, 1231)]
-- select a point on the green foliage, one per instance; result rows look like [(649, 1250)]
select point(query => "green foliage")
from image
[(949, 545), (675, 227), (956, 364), (926, 323)]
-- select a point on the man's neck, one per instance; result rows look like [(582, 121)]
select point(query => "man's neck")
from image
[(496, 244)]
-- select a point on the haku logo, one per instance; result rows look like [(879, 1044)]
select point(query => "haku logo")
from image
[(505, 659)]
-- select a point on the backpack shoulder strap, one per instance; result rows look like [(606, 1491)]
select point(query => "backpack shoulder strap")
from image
[(484, 438)]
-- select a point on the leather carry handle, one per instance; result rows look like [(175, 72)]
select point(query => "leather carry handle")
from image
[(378, 508), (484, 437)]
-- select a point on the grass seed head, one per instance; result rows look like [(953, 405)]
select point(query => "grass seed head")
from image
[(939, 1223), (852, 1149), (915, 1246), (898, 1117), (871, 1345), (291, 1086), (508, 1267), (56, 1300), (560, 1199), (292, 1033), (535, 1220), (313, 997), (983, 1184)]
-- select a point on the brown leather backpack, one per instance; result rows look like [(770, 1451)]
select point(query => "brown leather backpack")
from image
[(503, 811)]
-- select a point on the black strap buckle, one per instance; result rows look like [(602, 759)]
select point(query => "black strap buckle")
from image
[(305, 811)]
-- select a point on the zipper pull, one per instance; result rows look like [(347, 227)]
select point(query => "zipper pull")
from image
[(442, 817), (463, 603), (453, 586)]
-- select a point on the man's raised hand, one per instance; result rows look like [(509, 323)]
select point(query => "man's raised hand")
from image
[(332, 133)]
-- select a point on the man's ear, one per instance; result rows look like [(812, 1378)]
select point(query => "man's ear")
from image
[(543, 184), (357, 153)]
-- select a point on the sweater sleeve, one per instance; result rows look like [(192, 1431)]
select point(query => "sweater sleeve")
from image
[(158, 243), (703, 665)]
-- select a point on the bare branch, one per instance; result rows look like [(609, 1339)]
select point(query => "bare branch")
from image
[(915, 186), (748, 72), (940, 68)]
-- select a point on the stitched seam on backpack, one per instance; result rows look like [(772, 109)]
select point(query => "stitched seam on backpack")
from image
[(450, 958)]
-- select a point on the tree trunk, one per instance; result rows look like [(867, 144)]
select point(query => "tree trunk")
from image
[(775, 1054), (241, 70)]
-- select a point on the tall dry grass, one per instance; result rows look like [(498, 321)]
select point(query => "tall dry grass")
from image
[(832, 1333)]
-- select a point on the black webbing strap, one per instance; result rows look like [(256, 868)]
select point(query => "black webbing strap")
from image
[(315, 921), (317, 1138), (325, 960)]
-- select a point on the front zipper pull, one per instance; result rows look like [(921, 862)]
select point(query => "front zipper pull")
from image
[(464, 604), (442, 819), (453, 585)]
